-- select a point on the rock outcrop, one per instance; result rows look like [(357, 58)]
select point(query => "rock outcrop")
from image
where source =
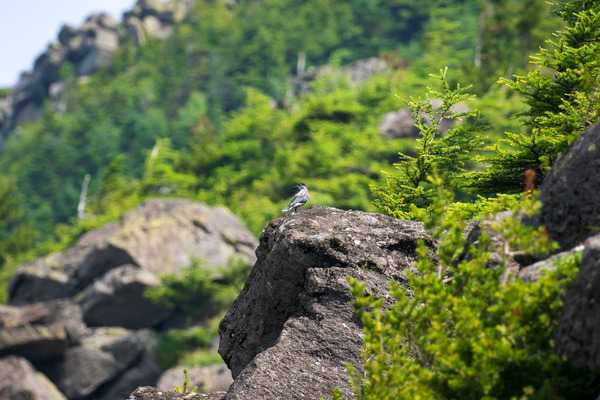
[(152, 393), (79, 326), (576, 336), (101, 364), (87, 49), (570, 193), (20, 380), (292, 327), (40, 331), (159, 236)]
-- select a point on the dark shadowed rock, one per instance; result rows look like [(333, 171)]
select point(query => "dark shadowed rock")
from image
[(20, 381), (292, 327), (101, 360), (208, 378), (571, 191), (159, 236), (145, 372), (117, 299), (40, 331), (152, 393), (576, 336)]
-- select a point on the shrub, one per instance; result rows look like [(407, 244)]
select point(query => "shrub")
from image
[(436, 150), (459, 331)]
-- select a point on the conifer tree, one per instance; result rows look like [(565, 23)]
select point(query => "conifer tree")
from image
[(436, 151), (562, 98)]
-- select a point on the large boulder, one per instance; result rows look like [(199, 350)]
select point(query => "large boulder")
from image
[(576, 336), (292, 327), (163, 236), (20, 381), (154, 18), (159, 236), (63, 274), (107, 359), (117, 299), (40, 331), (152, 393), (570, 194)]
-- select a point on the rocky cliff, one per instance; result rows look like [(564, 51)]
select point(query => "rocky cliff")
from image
[(87, 48)]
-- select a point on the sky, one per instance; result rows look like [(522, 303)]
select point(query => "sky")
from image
[(28, 26)]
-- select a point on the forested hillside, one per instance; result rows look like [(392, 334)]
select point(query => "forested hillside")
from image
[(209, 113)]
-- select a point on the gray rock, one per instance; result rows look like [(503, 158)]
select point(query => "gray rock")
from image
[(163, 236), (533, 272), (159, 236), (64, 274), (103, 359), (117, 299), (398, 124), (152, 393), (20, 381), (40, 331), (292, 327), (576, 336), (208, 378), (145, 371), (570, 194)]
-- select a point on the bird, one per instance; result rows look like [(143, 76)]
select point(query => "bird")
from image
[(299, 199)]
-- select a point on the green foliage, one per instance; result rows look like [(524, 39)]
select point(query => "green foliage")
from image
[(175, 344), (213, 99), (562, 99), (328, 140), (435, 150), (200, 291), (186, 384), (201, 356), (183, 87), (14, 235), (508, 31), (461, 330)]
